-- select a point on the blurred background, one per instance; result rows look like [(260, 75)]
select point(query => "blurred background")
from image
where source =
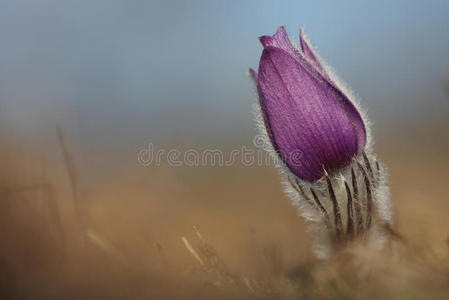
[(80, 217)]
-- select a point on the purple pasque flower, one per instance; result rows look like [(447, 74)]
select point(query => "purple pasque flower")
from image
[(307, 116)]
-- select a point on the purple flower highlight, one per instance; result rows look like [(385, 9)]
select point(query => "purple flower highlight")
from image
[(304, 110)]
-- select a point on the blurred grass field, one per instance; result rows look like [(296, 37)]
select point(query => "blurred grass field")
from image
[(121, 238)]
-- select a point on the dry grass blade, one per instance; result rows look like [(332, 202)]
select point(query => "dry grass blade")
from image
[(192, 251), (70, 165), (105, 245)]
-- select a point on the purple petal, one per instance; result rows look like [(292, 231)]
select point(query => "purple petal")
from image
[(353, 114), (280, 40), (312, 125), (308, 52)]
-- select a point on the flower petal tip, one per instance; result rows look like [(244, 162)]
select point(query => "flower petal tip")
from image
[(305, 46), (301, 32), (279, 38)]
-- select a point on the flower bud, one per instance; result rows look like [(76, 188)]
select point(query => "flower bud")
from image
[(304, 112)]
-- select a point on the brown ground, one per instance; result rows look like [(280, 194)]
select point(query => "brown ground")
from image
[(121, 239)]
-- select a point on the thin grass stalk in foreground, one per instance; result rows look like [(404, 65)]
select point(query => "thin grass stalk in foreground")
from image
[(69, 162)]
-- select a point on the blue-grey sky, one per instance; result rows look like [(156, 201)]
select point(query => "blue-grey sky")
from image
[(129, 72)]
